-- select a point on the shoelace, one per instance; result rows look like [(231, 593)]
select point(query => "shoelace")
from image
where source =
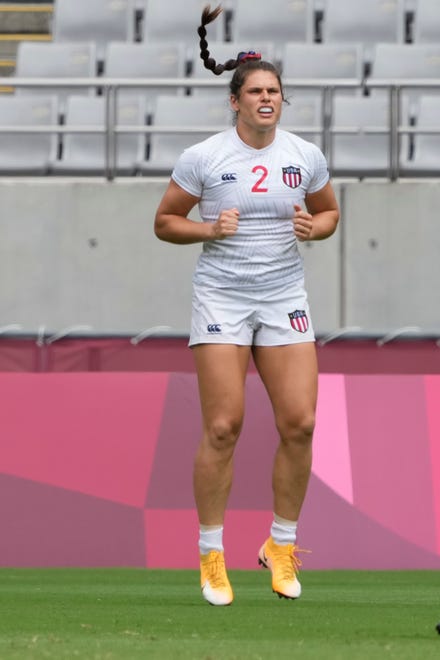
[(288, 563), (217, 572)]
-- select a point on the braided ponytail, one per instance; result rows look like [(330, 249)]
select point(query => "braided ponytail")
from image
[(209, 16), (245, 62)]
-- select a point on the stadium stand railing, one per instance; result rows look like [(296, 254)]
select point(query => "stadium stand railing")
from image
[(398, 124), (402, 28)]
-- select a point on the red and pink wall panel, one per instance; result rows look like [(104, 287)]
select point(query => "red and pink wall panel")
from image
[(96, 470)]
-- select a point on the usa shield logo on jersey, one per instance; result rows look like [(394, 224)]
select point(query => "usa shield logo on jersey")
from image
[(292, 176), (299, 320)]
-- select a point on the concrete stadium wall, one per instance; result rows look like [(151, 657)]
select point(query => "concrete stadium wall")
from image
[(83, 252)]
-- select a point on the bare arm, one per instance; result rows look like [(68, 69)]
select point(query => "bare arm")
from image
[(173, 225), (321, 218)]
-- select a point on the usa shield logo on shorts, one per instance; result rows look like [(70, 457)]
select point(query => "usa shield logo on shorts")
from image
[(292, 176), (299, 320)]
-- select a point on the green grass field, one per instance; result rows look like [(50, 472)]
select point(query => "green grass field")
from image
[(108, 614)]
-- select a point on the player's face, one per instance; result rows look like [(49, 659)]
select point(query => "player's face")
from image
[(258, 106)]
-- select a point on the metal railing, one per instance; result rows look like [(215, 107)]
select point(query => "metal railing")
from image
[(110, 87), (45, 335)]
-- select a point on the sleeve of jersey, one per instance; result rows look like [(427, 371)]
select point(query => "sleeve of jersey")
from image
[(320, 171), (187, 172)]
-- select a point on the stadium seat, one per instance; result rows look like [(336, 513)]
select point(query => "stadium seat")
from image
[(27, 153), (400, 62), (360, 154), (85, 153), (426, 25), (369, 23), (141, 60), (425, 158), (100, 21), (56, 60), (280, 21), (191, 112), (222, 52), (179, 23), (304, 113), (318, 61)]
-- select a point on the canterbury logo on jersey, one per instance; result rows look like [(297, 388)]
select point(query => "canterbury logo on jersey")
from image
[(229, 176), (214, 328)]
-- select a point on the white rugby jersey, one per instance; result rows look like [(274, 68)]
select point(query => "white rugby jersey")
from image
[(263, 184)]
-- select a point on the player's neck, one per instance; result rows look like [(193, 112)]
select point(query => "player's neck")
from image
[(257, 139)]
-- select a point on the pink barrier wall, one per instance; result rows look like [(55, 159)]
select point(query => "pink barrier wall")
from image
[(95, 470)]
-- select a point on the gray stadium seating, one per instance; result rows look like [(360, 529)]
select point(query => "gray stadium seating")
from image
[(426, 27), (100, 21), (425, 157), (279, 21), (402, 62), (179, 22), (26, 153), (369, 23), (317, 61), (145, 60), (56, 60), (191, 111), (86, 152), (92, 36), (303, 113), (361, 153)]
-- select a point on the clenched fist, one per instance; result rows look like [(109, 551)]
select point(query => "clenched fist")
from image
[(226, 225), (302, 224)]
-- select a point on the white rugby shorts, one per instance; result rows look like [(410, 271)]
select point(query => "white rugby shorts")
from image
[(268, 317)]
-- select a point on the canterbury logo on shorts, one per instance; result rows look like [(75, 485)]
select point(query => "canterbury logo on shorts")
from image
[(214, 328)]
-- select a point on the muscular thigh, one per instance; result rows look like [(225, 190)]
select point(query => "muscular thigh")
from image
[(290, 375), (221, 373)]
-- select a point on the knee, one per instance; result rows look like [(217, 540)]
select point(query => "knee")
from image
[(223, 433), (297, 430)]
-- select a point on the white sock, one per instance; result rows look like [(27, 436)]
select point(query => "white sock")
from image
[(283, 531), (211, 538)]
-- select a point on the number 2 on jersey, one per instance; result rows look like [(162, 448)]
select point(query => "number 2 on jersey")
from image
[(264, 172)]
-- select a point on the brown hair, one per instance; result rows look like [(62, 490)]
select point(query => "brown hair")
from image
[(244, 63)]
